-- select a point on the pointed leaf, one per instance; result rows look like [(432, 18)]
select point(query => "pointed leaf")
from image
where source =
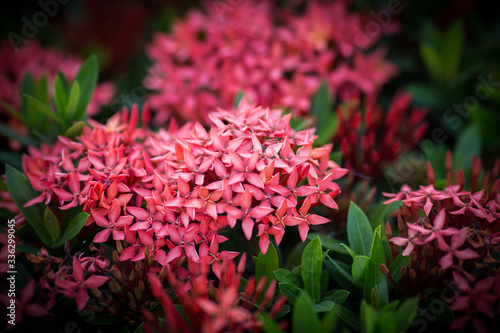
[(267, 264), (359, 230), (304, 316), (87, 79), (21, 191), (73, 228), (311, 267), (51, 224)]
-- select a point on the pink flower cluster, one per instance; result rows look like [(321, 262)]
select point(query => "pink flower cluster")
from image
[(38, 61), (212, 308), (172, 191), (372, 139), (453, 234), (277, 57)]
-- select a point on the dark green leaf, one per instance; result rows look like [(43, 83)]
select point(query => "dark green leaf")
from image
[(342, 277), (42, 93), (324, 306), (359, 230), (25, 248), (290, 291), (329, 323), (73, 228), (51, 224), (468, 144), (311, 267), (41, 108), (322, 107), (374, 278), (7, 132), (74, 96), (338, 296), (358, 268), (60, 97), (304, 316), (284, 275), (328, 242), (347, 316), (22, 192), (267, 264), (269, 325), (452, 47), (87, 79), (9, 108), (386, 323), (11, 157), (368, 318), (396, 265), (405, 313)]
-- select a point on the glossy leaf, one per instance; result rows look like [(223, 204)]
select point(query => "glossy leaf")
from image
[(43, 109), (358, 268), (396, 265), (74, 96), (21, 192), (324, 306), (284, 275), (87, 79), (304, 316), (338, 296), (468, 144), (347, 316), (329, 243), (51, 224), (290, 291), (311, 267), (267, 264), (374, 278), (73, 228), (342, 276), (60, 97), (359, 230)]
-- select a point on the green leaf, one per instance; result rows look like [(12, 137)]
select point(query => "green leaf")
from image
[(73, 228), (51, 224), (329, 243), (237, 98), (396, 265), (338, 296), (269, 325), (22, 192), (290, 291), (386, 323), (322, 107), (8, 132), (42, 93), (311, 267), (404, 313), (341, 276), (359, 230), (87, 79), (74, 96), (452, 48), (358, 268), (347, 316), (60, 97), (329, 323), (284, 275), (267, 264), (324, 306), (38, 106), (432, 60), (374, 278), (75, 130), (468, 144), (348, 249), (368, 318), (304, 316), (10, 108)]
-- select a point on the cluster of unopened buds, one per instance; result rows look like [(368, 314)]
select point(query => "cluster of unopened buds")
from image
[(213, 307), (452, 235), (172, 191), (275, 56)]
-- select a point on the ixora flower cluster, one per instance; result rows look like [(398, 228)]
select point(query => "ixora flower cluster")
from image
[(172, 191), (452, 235), (275, 56), (47, 62)]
